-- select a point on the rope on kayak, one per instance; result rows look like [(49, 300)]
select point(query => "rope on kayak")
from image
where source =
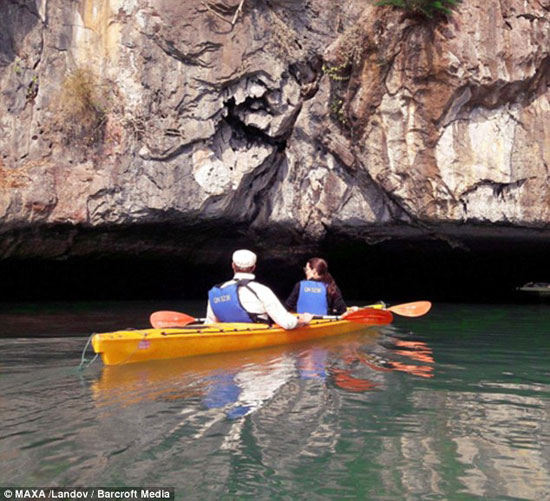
[(84, 362)]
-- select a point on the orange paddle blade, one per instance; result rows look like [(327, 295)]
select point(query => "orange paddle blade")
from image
[(416, 309), (369, 316), (165, 319)]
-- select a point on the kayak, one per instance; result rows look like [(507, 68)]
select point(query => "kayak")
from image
[(539, 288), (131, 346)]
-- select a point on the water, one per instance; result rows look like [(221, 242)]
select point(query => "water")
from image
[(454, 405)]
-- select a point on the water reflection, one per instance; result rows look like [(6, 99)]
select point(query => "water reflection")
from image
[(217, 392), (248, 377)]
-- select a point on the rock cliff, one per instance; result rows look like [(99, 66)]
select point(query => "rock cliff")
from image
[(125, 124)]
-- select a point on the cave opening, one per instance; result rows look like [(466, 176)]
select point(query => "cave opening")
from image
[(393, 271)]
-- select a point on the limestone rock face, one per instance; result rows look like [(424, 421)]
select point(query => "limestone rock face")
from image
[(284, 116)]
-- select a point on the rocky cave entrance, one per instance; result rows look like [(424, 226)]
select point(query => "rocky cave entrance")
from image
[(393, 271)]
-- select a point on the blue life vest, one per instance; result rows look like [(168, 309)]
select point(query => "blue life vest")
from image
[(312, 298), (226, 305)]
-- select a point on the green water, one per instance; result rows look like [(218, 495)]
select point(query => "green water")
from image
[(454, 405)]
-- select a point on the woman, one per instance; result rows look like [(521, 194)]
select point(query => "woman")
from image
[(318, 294)]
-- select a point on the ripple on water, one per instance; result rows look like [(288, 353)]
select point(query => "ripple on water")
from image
[(447, 407)]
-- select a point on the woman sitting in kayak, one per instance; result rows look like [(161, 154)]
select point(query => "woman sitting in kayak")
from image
[(318, 294)]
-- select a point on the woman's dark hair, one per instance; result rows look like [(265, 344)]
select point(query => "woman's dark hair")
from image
[(321, 267)]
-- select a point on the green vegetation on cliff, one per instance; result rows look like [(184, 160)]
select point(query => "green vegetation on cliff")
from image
[(429, 8)]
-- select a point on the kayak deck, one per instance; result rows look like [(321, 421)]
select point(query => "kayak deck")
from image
[(130, 346)]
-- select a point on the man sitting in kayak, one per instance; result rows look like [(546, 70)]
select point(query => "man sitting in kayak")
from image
[(318, 294), (244, 300)]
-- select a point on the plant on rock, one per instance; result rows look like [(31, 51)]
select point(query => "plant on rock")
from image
[(428, 8), (81, 107)]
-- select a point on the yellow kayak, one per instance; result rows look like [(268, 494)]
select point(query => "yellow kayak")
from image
[(130, 346)]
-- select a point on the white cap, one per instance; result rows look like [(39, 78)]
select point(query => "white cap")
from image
[(244, 258)]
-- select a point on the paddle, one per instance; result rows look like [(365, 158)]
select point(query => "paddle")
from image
[(416, 309), (166, 319), (366, 315)]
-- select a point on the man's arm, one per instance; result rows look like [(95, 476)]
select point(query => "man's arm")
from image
[(210, 317), (274, 308)]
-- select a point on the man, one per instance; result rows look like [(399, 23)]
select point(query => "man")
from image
[(244, 300)]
